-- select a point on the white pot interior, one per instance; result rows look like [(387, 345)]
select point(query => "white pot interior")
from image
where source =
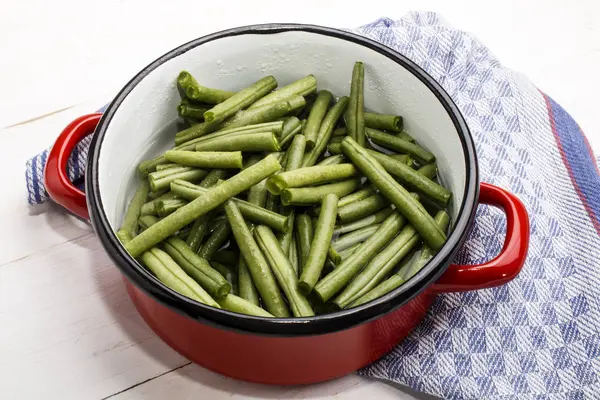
[(144, 124)]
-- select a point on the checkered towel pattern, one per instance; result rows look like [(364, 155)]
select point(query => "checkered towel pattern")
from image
[(536, 337)]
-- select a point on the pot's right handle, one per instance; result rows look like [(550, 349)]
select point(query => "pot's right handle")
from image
[(507, 265)]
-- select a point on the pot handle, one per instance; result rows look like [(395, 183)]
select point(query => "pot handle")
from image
[(56, 181), (504, 267)]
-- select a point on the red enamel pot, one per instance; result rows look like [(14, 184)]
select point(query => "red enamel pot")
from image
[(140, 123)]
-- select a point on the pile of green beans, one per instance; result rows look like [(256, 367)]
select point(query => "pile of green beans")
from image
[(286, 203)]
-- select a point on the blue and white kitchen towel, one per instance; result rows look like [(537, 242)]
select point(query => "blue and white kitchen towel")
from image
[(536, 337)]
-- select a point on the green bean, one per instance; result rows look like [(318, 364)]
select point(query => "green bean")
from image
[(251, 212), (166, 207), (311, 271), (351, 198), (304, 237), (196, 92), (336, 139), (375, 218), (325, 131), (443, 220), (301, 87), (333, 160), (405, 136), (384, 121), (402, 146), (258, 266), (291, 127), (283, 271), (360, 209), (314, 195), (168, 272), (216, 239), (147, 220), (339, 132), (403, 158), (416, 179), (188, 141), (348, 252), (157, 194), (241, 306), (123, 236), (333, 255), (315, 118), (379, 266), (145, 167), (355, 118), (209, 159), (340, 276), (405, 272), (334, 148), (228, 273), (357, 236), (162, 167), (213, 177), (428, 170), (264, 114), (226, 257), (189, 110), (246, 285), (203, 204), (265, 141), (285, 239), (134, 209), (198, 232), (293, 255), (241, 99), (197, 267), (162, 179), (309, 176), (395, 193)]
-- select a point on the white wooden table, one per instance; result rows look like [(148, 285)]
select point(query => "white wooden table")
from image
[(67, 327)]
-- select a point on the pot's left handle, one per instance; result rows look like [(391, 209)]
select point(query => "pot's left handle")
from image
[(56, 181)]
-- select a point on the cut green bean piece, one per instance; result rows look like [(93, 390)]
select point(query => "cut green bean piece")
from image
[(325, 131), (355, 118), (357, 236), (145, 167), (134, 209), (215, 241), (256, 262), (309, 176), (157, 194), (336, 139), (333, 160), (375, 218), (208, 159), (194, 91), (265, 141), (197, 267), (283, 271), (162, 167), (293, 255), (199, 231), (242, 306), (402, 146), (192, 112), (384, 121), (419, 180), (304, 237), (162, 179), (395, 193), (311, 271), (250, 211), (264, 114), (241, 99), (291, 128), (403, 158), (301, 87), (351, 198), (337, 132), (185, 141), (360, 209), (246, 286), (166, 207), (202, 205), (334, 148), (405, 136), (314, 194), (315, 118), (168, 272), (379, 266), (147, 220), (340, 276), (228, 273), (213, 177), (348, 252)]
